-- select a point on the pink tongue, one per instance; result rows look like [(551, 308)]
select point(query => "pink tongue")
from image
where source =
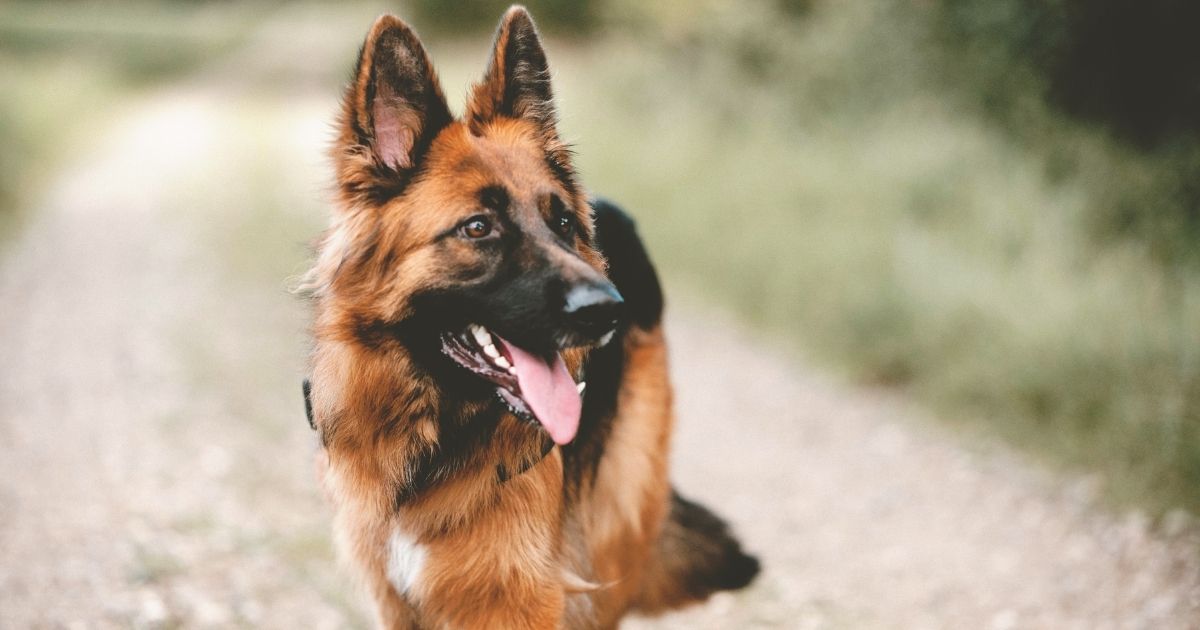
[(550, 392)]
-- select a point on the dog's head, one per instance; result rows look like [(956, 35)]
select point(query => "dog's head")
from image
[(466, 243)]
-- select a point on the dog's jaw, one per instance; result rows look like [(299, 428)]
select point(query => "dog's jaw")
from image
[(533, 387)]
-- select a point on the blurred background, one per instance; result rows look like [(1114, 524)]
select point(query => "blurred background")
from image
[(932, 268)]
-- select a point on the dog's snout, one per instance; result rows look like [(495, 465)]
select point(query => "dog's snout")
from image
[(594, 309)]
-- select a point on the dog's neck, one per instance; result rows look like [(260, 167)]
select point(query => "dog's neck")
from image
[(388, 420)]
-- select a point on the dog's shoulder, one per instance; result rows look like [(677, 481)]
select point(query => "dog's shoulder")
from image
[(630, 270)]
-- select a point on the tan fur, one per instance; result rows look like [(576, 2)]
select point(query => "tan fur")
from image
[(521, 553), (626, 507)]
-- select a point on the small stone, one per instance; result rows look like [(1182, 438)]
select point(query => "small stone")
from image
[(1004, 620), (152, 609)]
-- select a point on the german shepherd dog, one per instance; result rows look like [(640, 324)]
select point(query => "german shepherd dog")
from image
[(465, 292)]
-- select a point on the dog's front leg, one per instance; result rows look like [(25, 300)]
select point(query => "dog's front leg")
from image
[(494, 565)]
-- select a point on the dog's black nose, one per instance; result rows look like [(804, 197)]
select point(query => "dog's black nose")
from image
[(594, 309)]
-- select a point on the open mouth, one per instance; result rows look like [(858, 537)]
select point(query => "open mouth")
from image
[(532, 386)]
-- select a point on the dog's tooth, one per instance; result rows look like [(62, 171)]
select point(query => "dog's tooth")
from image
[(512, 370), (607, 338), (502, 362), (482, 336), (580, 386), (490, 350)]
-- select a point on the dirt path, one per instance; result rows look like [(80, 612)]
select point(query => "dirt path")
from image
[(155, 465), (869, 517)]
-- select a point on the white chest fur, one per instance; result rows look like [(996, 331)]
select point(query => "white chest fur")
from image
[(406, 559)]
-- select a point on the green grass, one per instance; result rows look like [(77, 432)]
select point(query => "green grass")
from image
[(40, 110)]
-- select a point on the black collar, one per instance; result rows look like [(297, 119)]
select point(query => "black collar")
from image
[(308, 404)]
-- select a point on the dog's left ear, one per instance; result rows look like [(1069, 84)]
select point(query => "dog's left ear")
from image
[(517, 81)]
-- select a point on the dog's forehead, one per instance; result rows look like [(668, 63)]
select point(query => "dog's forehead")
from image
[(507, 154)]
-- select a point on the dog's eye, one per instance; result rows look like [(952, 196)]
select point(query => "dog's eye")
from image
[(477, 227), (565, 224)]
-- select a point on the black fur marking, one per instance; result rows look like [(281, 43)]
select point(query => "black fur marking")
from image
[(503, 473), (307, 387), (604, 372), (459, 446), (374, 334), (495, 198), (390, 184), (630, 269), (462, 438), (355, 126), (629, 265)]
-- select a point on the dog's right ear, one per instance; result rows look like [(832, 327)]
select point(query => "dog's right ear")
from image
[(392, 111)]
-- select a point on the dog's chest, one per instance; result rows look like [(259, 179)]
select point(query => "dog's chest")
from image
[(406, 560)]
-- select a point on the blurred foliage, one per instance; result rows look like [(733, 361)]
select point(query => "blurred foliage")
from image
[(63, 66), (1133, 66), (468, 16), (1129, 67), (830, 177)]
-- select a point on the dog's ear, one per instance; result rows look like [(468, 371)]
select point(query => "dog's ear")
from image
[(392, 111), (517, 85), (517, 81)]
